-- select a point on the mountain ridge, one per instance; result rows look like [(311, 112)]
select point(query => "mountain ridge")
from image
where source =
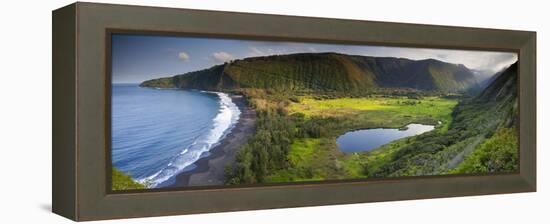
[(325, 72)]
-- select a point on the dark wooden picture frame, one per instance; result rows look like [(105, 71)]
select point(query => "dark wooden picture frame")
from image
[(81, 95)]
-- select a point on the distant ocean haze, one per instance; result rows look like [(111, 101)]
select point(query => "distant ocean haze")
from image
[(158, 133)]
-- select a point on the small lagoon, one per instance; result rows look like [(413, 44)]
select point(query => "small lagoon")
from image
[(369, 139)]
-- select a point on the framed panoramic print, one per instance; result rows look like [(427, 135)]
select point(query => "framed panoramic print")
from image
[(200, 111)]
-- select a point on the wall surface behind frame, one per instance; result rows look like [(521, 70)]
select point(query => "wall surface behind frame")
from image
[(25, 114)]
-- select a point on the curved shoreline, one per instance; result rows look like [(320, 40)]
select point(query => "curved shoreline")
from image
[(222, 124), (210, 170)]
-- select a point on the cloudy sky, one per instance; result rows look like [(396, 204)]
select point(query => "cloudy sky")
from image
[(136, 58)]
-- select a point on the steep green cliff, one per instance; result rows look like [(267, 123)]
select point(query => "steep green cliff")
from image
[(481, 138), (325, 72)]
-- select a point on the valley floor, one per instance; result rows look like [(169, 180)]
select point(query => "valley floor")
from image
[(318, 158)]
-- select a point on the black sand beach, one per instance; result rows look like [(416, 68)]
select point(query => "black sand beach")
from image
[(210, 170)]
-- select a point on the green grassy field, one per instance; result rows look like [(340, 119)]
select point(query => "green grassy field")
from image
[(384, 111), (320, 159)]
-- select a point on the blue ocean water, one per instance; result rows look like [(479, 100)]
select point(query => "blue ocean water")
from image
[(369, 139), (157, 133)]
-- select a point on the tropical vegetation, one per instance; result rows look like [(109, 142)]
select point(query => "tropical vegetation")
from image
[(305, 101)]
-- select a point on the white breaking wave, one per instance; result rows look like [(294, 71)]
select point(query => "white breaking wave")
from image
[(224, 121)]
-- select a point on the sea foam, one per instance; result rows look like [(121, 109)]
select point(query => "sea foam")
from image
[(224, 121)]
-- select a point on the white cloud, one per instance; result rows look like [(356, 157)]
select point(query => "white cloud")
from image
[(183, 56), (222, 56), (281, 49)]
